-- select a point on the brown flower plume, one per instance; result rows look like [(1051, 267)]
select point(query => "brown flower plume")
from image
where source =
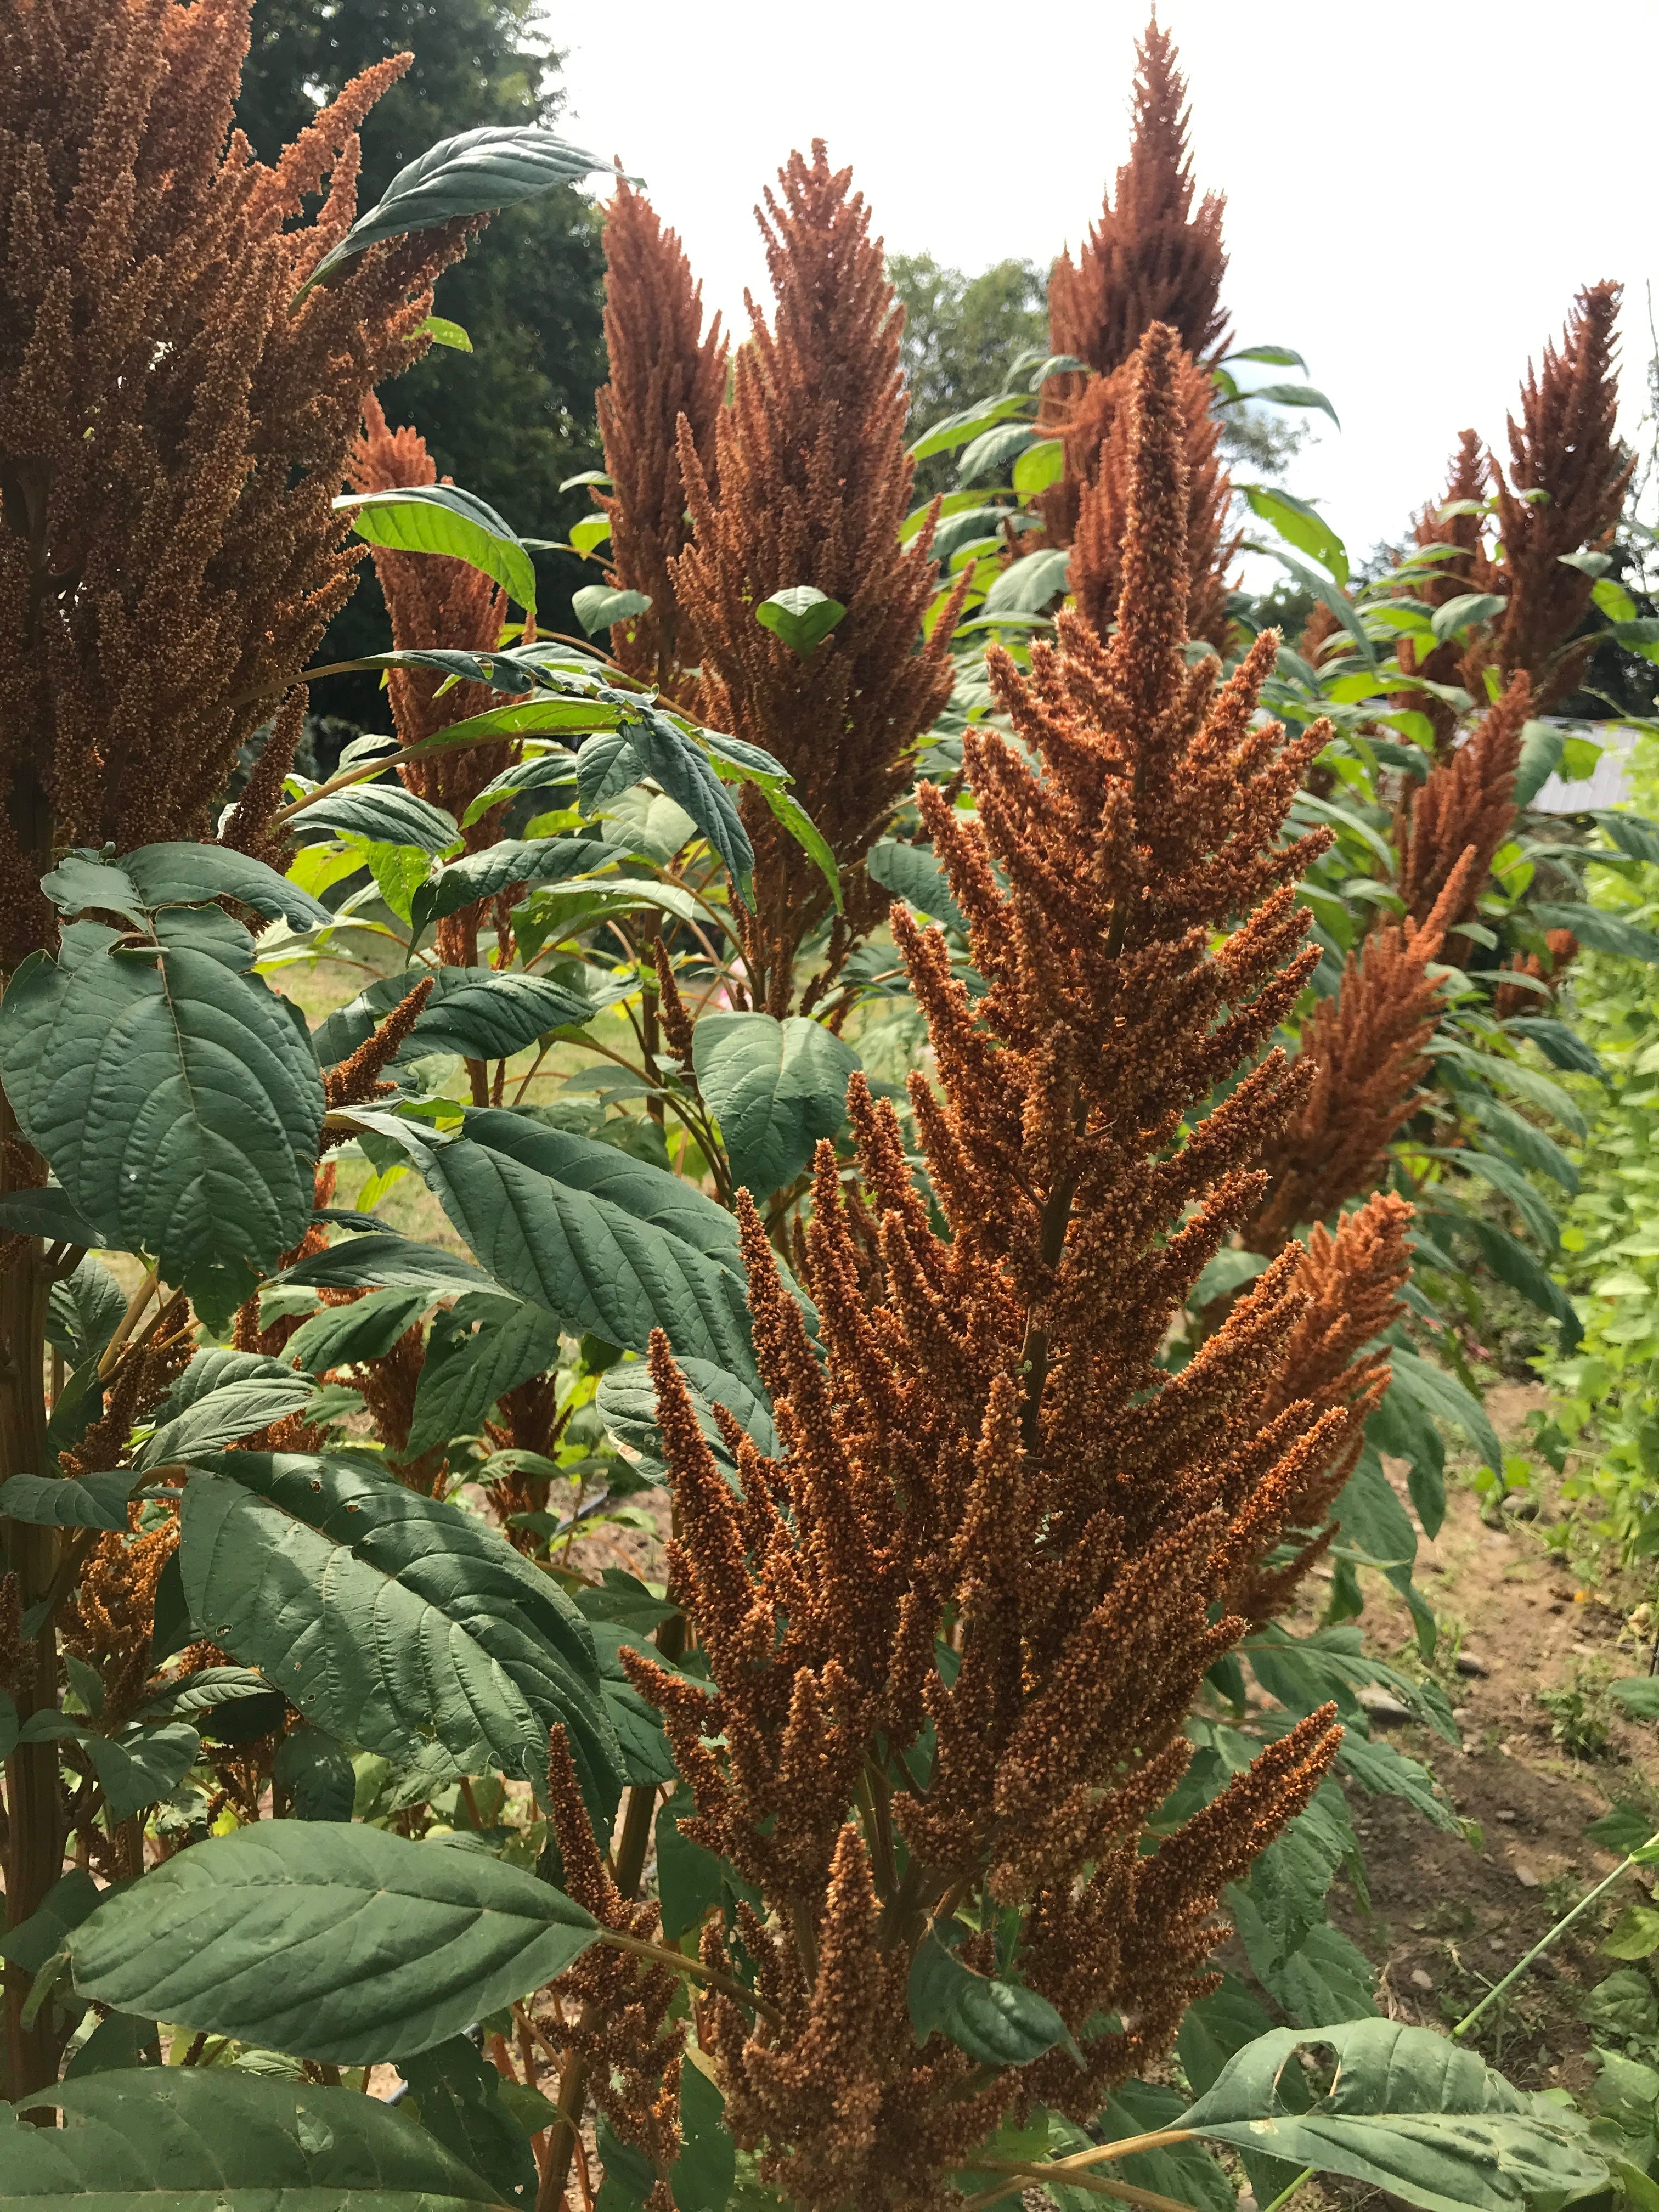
[(1566, 446), (989, 1449), (433, 600), (663, 366), (1365, 1047), (174, 424), (1466, 567), (1151, 258), (1465, 801), (1352, 1281), (1088, 506), (812, 484)]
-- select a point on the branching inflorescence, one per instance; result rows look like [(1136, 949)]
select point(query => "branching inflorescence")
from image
[(954, 1628), (813, 482), (664, 366), (174, 423)]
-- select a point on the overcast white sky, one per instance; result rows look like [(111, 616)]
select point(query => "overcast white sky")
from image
[(1413, 192)]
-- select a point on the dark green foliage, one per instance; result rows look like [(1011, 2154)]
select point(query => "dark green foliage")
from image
[(514, 418)]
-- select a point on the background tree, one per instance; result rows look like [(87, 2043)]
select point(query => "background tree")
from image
[(962, 335), (514, 418)]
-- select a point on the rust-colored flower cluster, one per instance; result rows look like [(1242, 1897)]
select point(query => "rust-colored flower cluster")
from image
[(988, 1458), (1089, 504), (1562, 495), (1151, 257), (1352, 1281), (813, 482), (663, 366), (1561, 949), (433, 600), (174, 424), (1565, 446), (1465, 801), (1364, 1048)]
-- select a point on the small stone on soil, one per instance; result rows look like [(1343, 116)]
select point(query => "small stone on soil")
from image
[(1420, 1980), (1505, 1816), (1526, 1878), (1382, 1707), (1466, 1663)]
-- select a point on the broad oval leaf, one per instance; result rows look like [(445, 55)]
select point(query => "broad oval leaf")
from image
[(337, 1943), (1025, 588), (390, 1619), (184, 2140), (626, 1404), (87, 1501), (385, 813), (912, 873), (381, 1258), (802, 616), (182, 875), (316, 1774), (612, 1246), (177, 1100), (993, 453), (223, 1397), (474, 173), (445, 520), (776, 1087), (508, 862), (1463, 612), (1410, 2112), (597, 606), (997, 2023), (480, 1012)]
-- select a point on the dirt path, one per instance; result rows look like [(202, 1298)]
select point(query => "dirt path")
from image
[(1445, 1919)]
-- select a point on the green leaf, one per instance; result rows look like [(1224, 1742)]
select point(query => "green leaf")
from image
[(1025, 588), (1639, 1694), (1039, 467), (1185, 2171), (1523, 1138), (591, 531), (389, 1618), (612, 1246), (476, 174), (144, 1766), (682, 770), (502, 866), (1632, 832), (1464, 612), (381, 812), (316, 1775), (1275, 355), (1636, 1936), (175, 1099), (88, 1501), (803, 617), (185, 2140), (911, 872), (1409, 2112), (381, 1257), (1505, 1177), (443, 332), (701, 2177), (1441, 1395), (1293, 395), (482, 1013), (997, 2023), (223, 1397), (1541, 745), (337, 1336), (458, 2093), (46, 1932), (47, 1212), (1303, 526), (118, 2041), (1325, 590), (338, 1942), (626, 1403), (477, 1350), (200, 1693), (967, 423), (183, 875), (993, 453), (1595, 927), (1562, 1047), (690, 1880), (445, 520), (597, 606), (775, 1087), (1513, 1264)]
